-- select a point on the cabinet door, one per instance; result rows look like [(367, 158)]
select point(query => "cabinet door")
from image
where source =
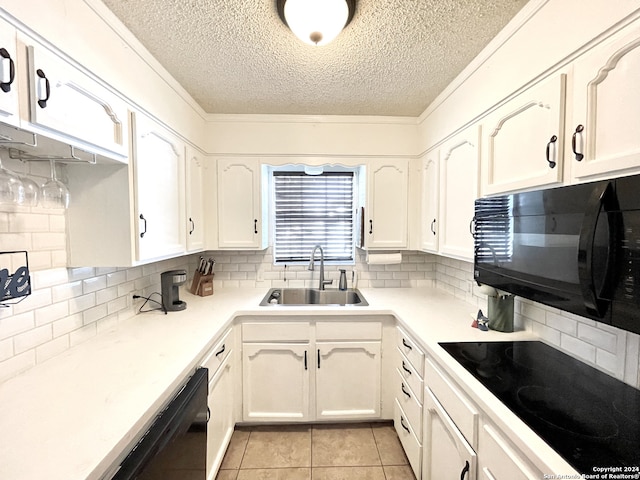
[(430, 202), (9, 109), (239, 205), (499, 461), (159, 175), (221, 423), (447, 455), (459, 160), (347, 380), (606, 117), (523, 140), (195, 200), (275, 382), (63, 99), (387, 197)]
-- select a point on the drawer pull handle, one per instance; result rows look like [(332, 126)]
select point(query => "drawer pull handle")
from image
[(579, 156), (221, 350), (193, 226), (433, 225), (43, 84), (404, 342), (255, 226), (370, 227), (7, 77), (318, 358), (305, 360), (404, 367), (552, 140), (208, 415), (405, 392), (145, 225), (403, 425), (465, 470)]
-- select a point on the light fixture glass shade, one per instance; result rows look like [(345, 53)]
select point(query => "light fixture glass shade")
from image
[(316, 22)]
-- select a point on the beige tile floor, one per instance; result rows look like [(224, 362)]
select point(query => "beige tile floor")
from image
[(316, 452)]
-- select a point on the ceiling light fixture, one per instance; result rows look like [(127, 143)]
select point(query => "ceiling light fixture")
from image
[(316, 22)]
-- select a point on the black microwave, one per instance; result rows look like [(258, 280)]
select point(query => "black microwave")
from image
[(576, 248)]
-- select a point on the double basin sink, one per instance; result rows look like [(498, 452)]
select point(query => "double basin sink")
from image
[(313, 296)]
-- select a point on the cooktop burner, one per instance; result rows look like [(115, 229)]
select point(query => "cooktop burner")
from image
[(588, 417)]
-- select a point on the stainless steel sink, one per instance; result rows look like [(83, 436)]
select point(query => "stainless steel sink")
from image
[(313, 296)]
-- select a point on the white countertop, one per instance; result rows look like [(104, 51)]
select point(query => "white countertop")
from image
[(73, 416)]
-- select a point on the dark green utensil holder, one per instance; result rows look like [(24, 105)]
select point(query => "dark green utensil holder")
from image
[(501, 313)]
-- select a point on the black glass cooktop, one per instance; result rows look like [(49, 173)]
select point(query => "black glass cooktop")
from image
[(588, 417)]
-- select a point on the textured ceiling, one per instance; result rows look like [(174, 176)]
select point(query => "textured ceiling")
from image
[(236, 56)]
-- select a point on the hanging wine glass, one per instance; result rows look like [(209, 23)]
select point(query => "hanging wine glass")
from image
[(11, 188), (54, 193), (31, 190)]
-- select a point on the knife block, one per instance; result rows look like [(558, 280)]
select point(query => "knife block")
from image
[(202, 285)]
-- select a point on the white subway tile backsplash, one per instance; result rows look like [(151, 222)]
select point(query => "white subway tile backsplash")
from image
[(6, 349), (16, 364), (20, 222), (106, 295), (51, 313), (49, 278), (561, 323), (598, 337), (578, 348), (16, 324), (32, 338), (94, 314), (67, 324), (66, 291), (94, 284), (48, 240), (116, 278), (81, 303), (117, 305)]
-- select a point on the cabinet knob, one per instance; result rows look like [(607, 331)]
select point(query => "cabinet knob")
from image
[(8, 73), (579, 156), (552, 140)]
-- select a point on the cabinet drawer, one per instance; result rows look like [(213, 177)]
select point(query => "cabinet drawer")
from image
[(218, 353), (410, 443), (499, 461), (328, 331), (411, 351), (410, 405), (411, 376), (275, 332), (458, 407)]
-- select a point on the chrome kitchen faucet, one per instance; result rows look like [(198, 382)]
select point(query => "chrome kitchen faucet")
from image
[(322, 282)]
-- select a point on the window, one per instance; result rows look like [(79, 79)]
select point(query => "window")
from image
[(313, 210)]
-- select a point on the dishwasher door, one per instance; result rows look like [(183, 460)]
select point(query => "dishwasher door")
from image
[(175, 446)]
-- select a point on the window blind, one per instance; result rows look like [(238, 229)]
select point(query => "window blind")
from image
[(313, 210)]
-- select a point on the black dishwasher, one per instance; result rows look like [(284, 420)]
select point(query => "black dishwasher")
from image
[(175, 446)]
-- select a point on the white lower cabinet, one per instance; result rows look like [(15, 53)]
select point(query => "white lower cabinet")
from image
[(407, 435), (500, 461), (447, 454), (275, 382), (347, 380), (222, 371), (306, 371)]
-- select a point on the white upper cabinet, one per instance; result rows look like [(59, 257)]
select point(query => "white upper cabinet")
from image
[(64, 100), (9, 107), (459, 162), (522, 141), (387, 198), (240, 220), (159, 185), (430, 202), (605, 122), (195, 200)]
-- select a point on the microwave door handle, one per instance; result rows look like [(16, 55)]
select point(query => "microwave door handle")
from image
[(603, 198)]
